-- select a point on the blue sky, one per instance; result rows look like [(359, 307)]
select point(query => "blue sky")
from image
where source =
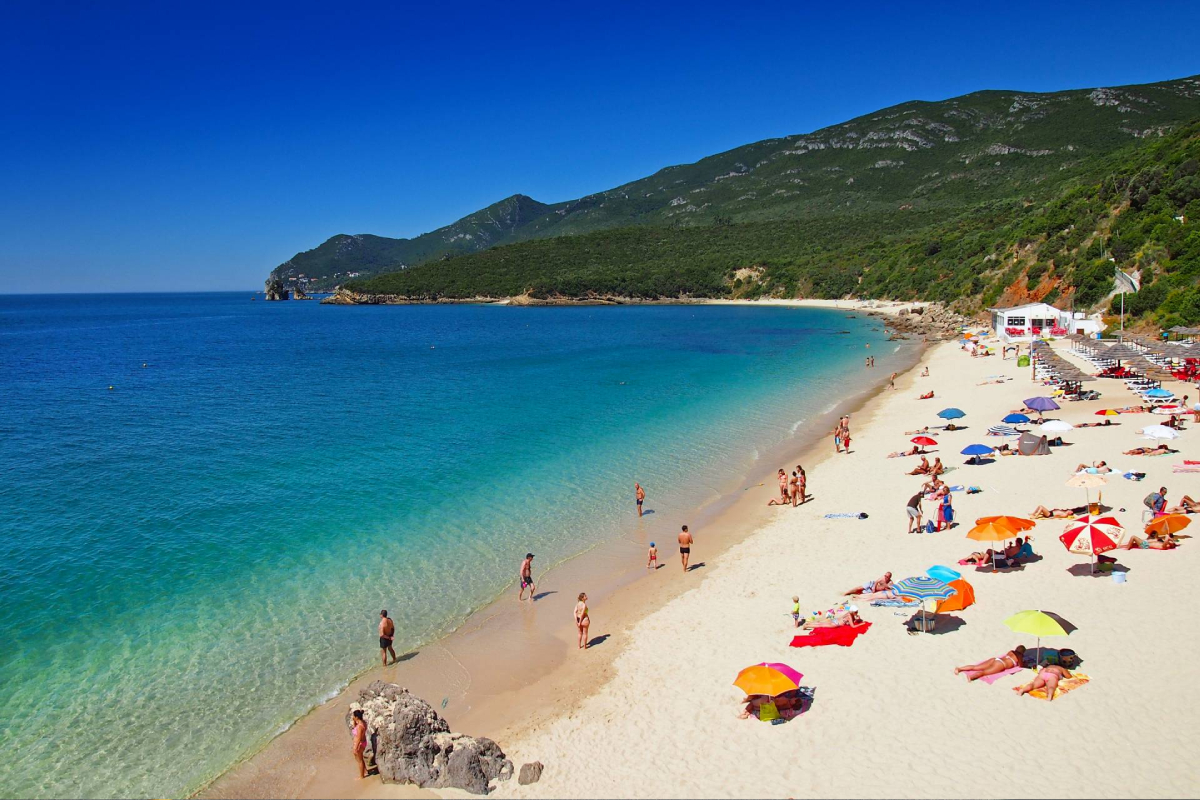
[(162, 147)]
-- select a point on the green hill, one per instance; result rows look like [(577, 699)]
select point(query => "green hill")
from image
[(887, 174)]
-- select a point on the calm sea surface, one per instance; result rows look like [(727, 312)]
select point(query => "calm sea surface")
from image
[(193, 559)]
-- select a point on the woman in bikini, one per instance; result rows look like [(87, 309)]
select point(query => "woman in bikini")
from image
[(793, 488), (849, 618), (937, 468), (802, 484), (993, 666), (782, 500), (359, 747), (1041, 512), (582, 620), (1047, 678), (1162, 449)]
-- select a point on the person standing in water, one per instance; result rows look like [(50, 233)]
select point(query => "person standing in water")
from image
[(685, 547), (652, 557), (892, 381), (641, 496), (387, 633), (582, 620), (525, 578)]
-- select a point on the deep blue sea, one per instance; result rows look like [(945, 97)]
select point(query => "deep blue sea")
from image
[(193, 558)]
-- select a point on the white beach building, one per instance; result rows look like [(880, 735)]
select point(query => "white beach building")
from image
[(1041, 319)]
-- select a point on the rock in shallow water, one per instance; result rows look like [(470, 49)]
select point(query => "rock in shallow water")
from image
[(412, 744)]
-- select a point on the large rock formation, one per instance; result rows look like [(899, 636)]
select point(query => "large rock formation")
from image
[(276, 290), (412, 744)]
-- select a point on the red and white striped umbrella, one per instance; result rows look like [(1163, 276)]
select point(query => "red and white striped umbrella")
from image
[(1091, 536)]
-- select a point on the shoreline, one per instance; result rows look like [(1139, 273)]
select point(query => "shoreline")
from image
[(499, 694)]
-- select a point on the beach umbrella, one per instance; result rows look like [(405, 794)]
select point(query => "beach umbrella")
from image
[(1168, 524), (1039, 624), (1159, 393), (1159, 432), (923, 588), (952, 413), (1107, 412), (964, 595), (1041, 404), (1057, 426), (1091, 536), (1087, 481), (1017, 524), (1003, 430), (943, 574), (768, 678), (1015, 419), (923, 441), (991, 532), (976, 450)]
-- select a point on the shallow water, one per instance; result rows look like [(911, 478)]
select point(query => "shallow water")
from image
[(193, 559)]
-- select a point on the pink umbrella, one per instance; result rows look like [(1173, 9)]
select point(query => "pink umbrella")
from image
[(784, 669)]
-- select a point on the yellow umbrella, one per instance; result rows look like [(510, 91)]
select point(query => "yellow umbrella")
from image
[(768, 679), (1036, 623)]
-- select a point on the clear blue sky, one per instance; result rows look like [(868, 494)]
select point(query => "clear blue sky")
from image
[(158, 147)]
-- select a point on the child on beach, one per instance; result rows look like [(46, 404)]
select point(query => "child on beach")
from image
[(652, 558), (796, 612)]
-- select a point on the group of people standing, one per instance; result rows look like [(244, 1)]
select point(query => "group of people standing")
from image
[(793, 490), (841, 435)]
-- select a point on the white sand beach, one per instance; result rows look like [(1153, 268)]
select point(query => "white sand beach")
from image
[(652, 712), (890, 717)]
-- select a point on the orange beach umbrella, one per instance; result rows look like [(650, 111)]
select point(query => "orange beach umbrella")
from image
[(1171, 523), (1018, 524), (964, 595)]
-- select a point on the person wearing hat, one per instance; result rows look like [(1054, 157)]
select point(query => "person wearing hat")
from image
[(526, 578)]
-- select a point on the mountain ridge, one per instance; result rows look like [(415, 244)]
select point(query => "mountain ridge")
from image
[(957, 152)]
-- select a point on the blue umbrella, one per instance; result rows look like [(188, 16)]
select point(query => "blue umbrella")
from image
[(924, 588), (1041, 404), (944, 574), (1015, 419), (1159, 393), (952, 413), (976, 450)]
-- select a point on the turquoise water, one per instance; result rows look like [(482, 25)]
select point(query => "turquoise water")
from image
[(193, 559)]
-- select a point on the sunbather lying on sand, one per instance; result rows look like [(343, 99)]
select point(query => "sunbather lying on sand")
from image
[(1047, 678), (1160, 450), (1152, 542), (993, 666), (926, 396), (1104, 424), (1041, 512), (848, 617), (904, 453), (873, 586), (917, 432), (1100, 467)]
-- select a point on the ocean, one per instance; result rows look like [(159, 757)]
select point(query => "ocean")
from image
[(205, 501)]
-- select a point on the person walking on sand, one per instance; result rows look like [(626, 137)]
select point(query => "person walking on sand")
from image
[(387, 633), (641, 496), (525, 578), (359, 742), (582, 620), (892, 381), (846, 434), (914, 512), (837, 437), (685, 547)]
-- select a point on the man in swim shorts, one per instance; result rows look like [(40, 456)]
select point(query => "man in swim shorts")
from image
[(641, 496), (525, 578), (685, 547), (387, 633), (914, 511)]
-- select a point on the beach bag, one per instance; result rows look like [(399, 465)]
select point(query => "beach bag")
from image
[(768, 711), (929, 526), (1148, 502)]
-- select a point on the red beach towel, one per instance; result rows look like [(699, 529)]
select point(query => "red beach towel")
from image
[(843, 636)]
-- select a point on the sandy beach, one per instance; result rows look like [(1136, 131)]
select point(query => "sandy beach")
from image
[(651, 711)]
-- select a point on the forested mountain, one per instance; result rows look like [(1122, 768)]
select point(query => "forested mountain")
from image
[(833, 211)]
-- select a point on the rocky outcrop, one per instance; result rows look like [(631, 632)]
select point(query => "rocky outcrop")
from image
[(300, 294), (276, 290), (929, 321), (410, 743)]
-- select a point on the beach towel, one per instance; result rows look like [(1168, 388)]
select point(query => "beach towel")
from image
[(895, 603), (957, 488), (842, 636), (1064, 686), (990, 679), (859, 515)]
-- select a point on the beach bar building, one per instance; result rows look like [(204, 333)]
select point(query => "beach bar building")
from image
[(1021, 323)]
